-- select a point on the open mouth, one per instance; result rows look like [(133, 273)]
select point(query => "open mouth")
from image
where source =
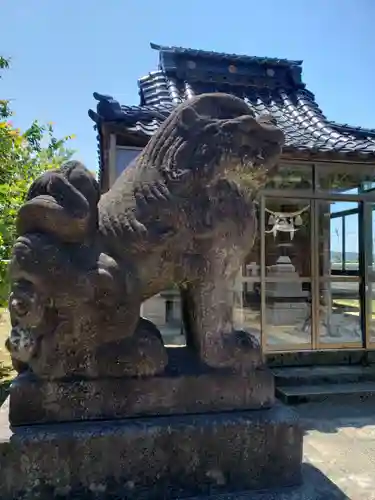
[(250, 166), (251, 158)]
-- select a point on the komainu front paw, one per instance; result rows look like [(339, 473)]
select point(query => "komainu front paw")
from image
[(244, 350), (239, 350)]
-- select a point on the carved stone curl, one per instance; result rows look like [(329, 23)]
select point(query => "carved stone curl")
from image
[(82, 266)]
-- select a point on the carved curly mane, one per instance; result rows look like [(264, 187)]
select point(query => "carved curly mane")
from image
[(189, 127)]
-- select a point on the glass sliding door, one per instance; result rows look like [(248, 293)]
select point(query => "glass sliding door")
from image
[(286, 231), (339, 281), (318, 258), (311, 274), (369, 274)]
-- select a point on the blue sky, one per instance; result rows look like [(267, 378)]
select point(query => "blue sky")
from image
[(63, 50)]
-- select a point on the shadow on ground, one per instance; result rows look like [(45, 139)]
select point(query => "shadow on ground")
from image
[(337, 413), (316, 486)]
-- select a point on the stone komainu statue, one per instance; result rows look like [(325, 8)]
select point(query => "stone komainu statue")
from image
[(83, 264)]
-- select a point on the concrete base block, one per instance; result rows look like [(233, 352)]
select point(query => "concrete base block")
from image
[(151, 458)]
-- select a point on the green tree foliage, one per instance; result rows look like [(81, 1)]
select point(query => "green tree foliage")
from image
[(23, 157)]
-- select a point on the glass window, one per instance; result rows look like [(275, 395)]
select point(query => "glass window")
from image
[(124, 156), (345, 178), (338, 238), (370, 254), (291, 176)]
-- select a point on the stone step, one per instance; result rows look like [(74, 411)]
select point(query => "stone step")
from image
[(326, 357), (320, 392), (318, 375)]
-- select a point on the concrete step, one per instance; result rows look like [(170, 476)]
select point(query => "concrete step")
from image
[(325, 357), (320, 392), (319, 375)]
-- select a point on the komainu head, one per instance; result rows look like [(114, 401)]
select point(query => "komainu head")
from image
[(212, 135)]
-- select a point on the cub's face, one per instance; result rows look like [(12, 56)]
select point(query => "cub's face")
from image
[(26, 307)]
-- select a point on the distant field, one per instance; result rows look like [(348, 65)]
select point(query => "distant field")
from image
[(6, 371), (4, 332), (348, 265), (354, 304)]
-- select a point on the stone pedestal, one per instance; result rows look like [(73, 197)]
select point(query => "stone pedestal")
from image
[(192, 430), (286, 313), (186, 387), (33, 402), (151, 458)]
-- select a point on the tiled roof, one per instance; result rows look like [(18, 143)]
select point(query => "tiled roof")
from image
[(268, 85), (223, 56), (357, 132)]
